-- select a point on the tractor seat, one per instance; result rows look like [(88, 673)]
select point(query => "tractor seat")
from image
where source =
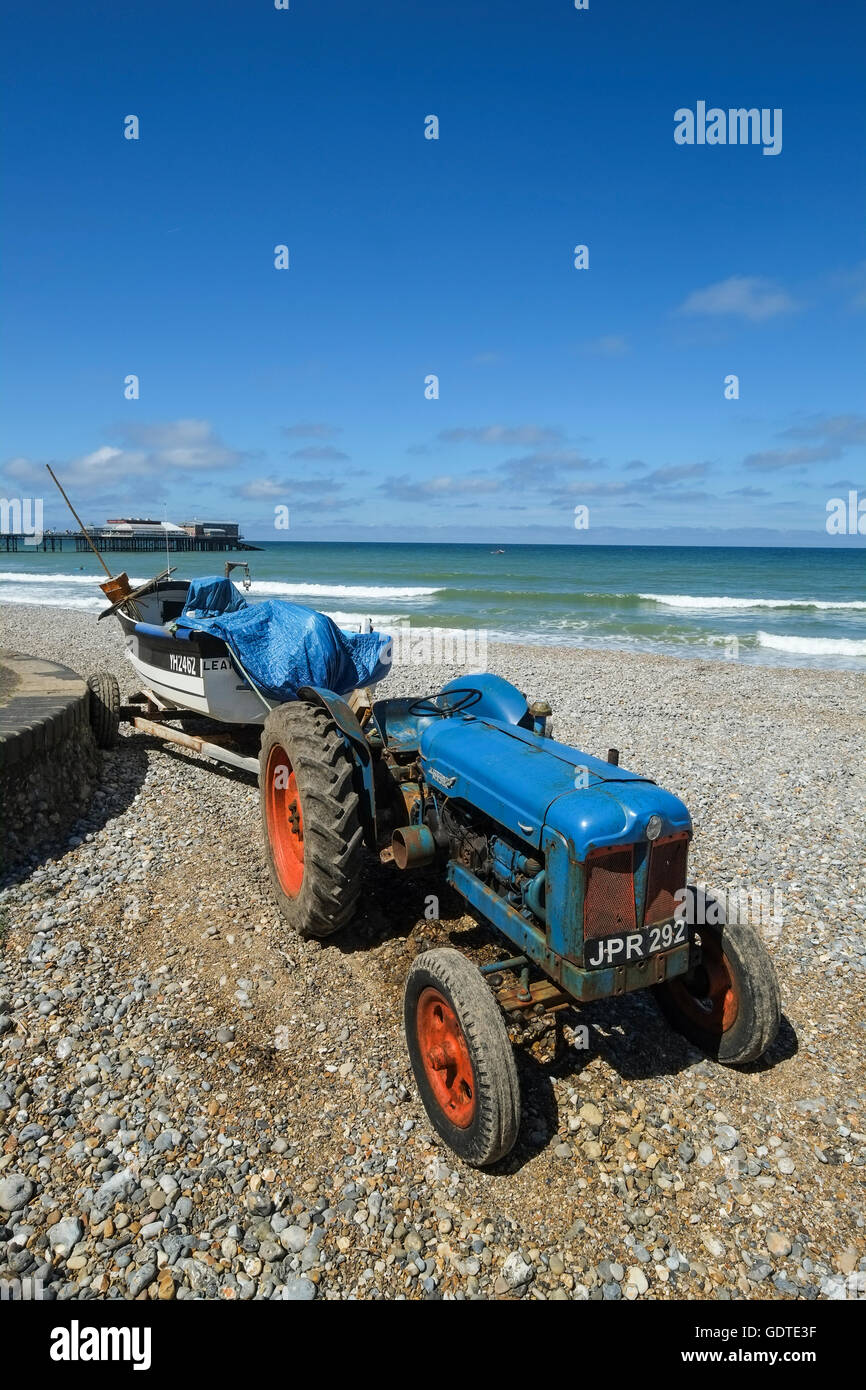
[(397, 727)]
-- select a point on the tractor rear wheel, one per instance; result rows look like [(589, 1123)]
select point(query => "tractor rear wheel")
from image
[(104, 711), (310, 817), (729, 1005), (461, 1056)]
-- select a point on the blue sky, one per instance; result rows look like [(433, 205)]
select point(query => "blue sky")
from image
[(408, 257)]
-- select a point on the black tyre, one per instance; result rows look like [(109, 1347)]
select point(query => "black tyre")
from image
[(310, 817), (104, 708), (729, 1005), (461, 1056)]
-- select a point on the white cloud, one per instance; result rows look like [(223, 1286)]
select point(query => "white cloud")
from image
[(189, 445), (827, 436), (286, 488), (608, 345), (439, 488), (740, 296), (526, 435), (320, 453), (311, 429), (158, 452)]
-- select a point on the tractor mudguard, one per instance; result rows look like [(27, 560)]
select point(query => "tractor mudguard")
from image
[(499, 698), (347, 722)]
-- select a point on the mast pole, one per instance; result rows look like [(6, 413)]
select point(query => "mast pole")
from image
[(80, 522)]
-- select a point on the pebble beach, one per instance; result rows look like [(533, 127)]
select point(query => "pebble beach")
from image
[(196, 1104)]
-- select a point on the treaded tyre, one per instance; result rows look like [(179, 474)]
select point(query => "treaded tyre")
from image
[(461, 1056), (310, 817), (729, 1005), (104, 708)]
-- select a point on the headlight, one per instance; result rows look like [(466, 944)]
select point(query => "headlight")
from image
[(653, 827)]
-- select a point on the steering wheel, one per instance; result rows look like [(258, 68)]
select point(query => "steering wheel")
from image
[(450, 705)]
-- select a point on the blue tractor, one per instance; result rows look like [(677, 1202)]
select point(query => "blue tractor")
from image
[(579, 865)]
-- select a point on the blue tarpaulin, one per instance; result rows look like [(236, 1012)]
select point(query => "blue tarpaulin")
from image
[(284, 646)]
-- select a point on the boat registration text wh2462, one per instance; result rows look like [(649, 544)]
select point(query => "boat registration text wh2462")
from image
[(196, 666), (184, 665)]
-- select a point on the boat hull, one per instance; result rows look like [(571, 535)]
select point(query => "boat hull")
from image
[(196, 673)]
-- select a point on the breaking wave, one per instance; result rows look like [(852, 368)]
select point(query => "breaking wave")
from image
[(90, 605), (698, 601), (351, 591), (20, 577), (813, 646)]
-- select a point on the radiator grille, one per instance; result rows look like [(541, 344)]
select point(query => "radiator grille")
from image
[(668, 869), (609, 902)]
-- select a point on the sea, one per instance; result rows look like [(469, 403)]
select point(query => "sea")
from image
[(773, 607)]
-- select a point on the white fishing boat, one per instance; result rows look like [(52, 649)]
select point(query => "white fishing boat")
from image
[(185, 668), (202, 652)]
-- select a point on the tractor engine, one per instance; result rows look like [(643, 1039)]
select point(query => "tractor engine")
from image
[(558, 848), (485, 850)]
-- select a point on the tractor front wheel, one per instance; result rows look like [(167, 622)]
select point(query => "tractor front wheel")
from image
[(461, 1056), (729, 1004), (310, 816)]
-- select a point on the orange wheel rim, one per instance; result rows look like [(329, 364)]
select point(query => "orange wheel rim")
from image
[(446, 1059), (710, 997), (285, 820)]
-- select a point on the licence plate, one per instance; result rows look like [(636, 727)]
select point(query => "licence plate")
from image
[(627, 947)]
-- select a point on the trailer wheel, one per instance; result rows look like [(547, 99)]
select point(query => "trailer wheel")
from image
[(729, 1005), (310, 816), (104, 708), (461, 1056)]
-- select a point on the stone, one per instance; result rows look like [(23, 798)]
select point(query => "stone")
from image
[(591, 1115), (293, 1239), (15, 1192), (65, 1235), (777, 1244), (299, 1290), (117, 1187), (846, 1263), (259, 1203), (516, 1271), (139, 1279)]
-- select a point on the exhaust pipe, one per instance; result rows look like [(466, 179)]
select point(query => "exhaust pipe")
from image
[(412, 846)]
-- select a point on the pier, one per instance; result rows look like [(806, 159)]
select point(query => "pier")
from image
[(11, 541), (14, 541)]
